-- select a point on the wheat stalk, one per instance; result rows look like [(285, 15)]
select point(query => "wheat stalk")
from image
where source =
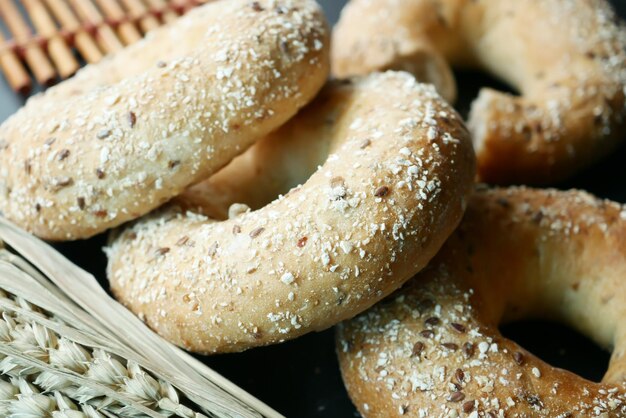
[(67, 350), (45, 374)]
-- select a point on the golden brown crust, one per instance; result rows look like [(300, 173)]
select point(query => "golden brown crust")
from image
[(417, 36), (127, 134), (434, 349), (566, 57), (394, 185)]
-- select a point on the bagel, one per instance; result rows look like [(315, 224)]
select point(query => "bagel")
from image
[(126, 135), (434, 349), (567, 58), (399, 167)]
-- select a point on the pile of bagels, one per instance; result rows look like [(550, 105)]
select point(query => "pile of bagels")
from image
[(254, 198)]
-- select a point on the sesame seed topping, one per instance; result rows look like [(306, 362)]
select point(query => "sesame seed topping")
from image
[(536, 372), (287, 278), (460, 375), (427, 333), (418, 347), (458, 327), (256, 6), (450, 346), (61, 182), (382, 191), (432, 321), (132, 119), (456, 397), (534, 401), (468, 349), (468, 406), (63, 154), (256, 232), (213, 249), (101, 213), (103, 133)]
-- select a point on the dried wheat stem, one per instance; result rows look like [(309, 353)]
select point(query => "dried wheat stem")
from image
[(43, 373), (67, 302)]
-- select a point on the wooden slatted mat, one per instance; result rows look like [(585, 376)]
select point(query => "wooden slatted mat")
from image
[(44, 41)]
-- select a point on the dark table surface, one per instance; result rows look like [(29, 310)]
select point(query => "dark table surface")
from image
[(301, 378)]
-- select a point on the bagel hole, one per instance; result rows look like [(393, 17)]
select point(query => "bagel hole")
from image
[(470, 82), (560, 346), (259, 175)]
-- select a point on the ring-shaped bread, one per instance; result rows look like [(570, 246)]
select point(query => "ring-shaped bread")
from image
[(567, 58), (434, 349), (129, 133), (395, 167)]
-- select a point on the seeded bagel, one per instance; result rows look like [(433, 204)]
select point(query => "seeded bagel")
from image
[(566, 58), (434, 349), (398, 166), (127, 134)]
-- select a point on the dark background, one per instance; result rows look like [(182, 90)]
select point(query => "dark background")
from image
[(301, 378)]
